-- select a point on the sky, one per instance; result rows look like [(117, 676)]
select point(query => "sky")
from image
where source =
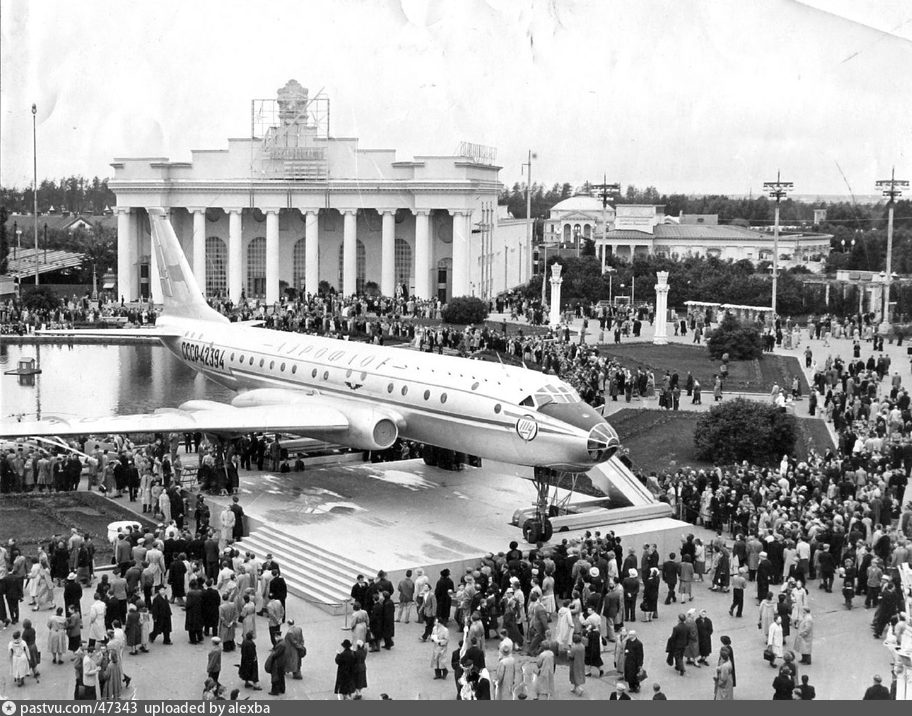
[(687, 96)]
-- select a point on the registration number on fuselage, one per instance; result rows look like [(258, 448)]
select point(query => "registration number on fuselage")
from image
[(208, 355)]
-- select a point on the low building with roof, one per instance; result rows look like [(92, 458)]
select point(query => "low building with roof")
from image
[(642, 230)]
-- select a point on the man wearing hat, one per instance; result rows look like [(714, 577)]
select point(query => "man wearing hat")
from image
[(620, 692), (633, 660), (764, 576)]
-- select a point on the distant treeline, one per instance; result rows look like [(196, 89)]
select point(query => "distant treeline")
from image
[(71, 194)]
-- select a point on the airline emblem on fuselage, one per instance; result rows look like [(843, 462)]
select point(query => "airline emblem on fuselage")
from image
[(527, 428)]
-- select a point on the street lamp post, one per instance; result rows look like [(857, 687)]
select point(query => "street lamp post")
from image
[(35, 177), (610, 270), (892, 189), (528, 167), (606, 191), (777, 190)]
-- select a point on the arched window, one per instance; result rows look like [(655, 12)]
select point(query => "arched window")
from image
[(360, 267), (299, 263), (256, 267), (404, 263), (216, 266)]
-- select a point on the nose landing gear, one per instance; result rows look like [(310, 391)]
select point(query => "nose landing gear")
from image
[(539, 528)]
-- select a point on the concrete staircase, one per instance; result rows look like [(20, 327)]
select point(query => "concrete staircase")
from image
[(311, 573)]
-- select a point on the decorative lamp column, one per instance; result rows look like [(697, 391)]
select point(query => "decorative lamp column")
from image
[(660, 337), (556, 282)]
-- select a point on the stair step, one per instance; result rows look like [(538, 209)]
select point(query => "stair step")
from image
[(311, 573), (306, 547)]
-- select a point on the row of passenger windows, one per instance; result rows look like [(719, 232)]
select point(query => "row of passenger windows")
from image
[(389, 388)]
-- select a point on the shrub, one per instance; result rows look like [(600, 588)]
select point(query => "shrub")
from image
[(465, 310), (742, 429), (740, 340), (40, 298)]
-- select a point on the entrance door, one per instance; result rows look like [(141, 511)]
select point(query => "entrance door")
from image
[(145, 290), (442, 285)]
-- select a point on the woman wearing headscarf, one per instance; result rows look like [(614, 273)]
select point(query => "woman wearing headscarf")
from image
[(249, 668), (247, 614), (724, 683), (767, 613), (564, 633), (505, 675), (359, 622), (113, 676), (577, 658), (692, 650), (360, 674), (651, 585)]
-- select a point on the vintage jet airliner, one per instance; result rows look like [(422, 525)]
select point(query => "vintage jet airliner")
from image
[(356, 394)]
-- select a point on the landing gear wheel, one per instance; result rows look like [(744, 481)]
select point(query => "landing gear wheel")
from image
[(531, 530)]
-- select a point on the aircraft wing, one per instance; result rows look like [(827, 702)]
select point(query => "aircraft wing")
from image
[(194, 416)]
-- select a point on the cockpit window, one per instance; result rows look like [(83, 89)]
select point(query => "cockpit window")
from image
[(551, 393), (527, 401)]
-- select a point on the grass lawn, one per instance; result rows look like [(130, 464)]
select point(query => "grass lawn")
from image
[(32, 519), (660, 440), (757, 376)]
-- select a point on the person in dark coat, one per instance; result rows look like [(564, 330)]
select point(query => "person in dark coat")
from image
[(376, 623), (360, 652), (211, 602), (633, 661), (278, 589), (345, 672), (161, 616), (704, 637), (177, 573), (389, 620), (193, 616), (677, 643), (275, 665), (443, 592), (249, 670), (72, 594), (764, 576)]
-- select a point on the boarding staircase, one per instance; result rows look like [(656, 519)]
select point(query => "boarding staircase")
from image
[(312, 573)]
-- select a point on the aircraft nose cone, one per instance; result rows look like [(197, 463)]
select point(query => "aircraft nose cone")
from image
[(602, 443)]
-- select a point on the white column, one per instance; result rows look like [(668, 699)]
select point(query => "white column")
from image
[(199, 248), (422, 254), (388, 254), (311, 252), (155, 290), (554, 317), (272, 256), (235, 255), (126, 263), (660, 337), (461, 235), (349, 252)]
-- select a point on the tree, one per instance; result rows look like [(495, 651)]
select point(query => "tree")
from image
[(40, 298), (739, 340), (740, 429), (465, 310)]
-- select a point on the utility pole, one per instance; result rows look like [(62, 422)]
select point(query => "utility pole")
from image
[(605, 192), (35, 176), (527, 167), (777, 190), (892, 189)]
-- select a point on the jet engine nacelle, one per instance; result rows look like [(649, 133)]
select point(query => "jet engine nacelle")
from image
[(369, 429)]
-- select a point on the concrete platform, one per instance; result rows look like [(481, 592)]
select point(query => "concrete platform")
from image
[(403, 515)]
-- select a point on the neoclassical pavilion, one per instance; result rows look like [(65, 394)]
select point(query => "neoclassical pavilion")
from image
[(296, 206)]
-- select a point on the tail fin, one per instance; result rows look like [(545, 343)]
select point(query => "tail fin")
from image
[(180, 292)]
